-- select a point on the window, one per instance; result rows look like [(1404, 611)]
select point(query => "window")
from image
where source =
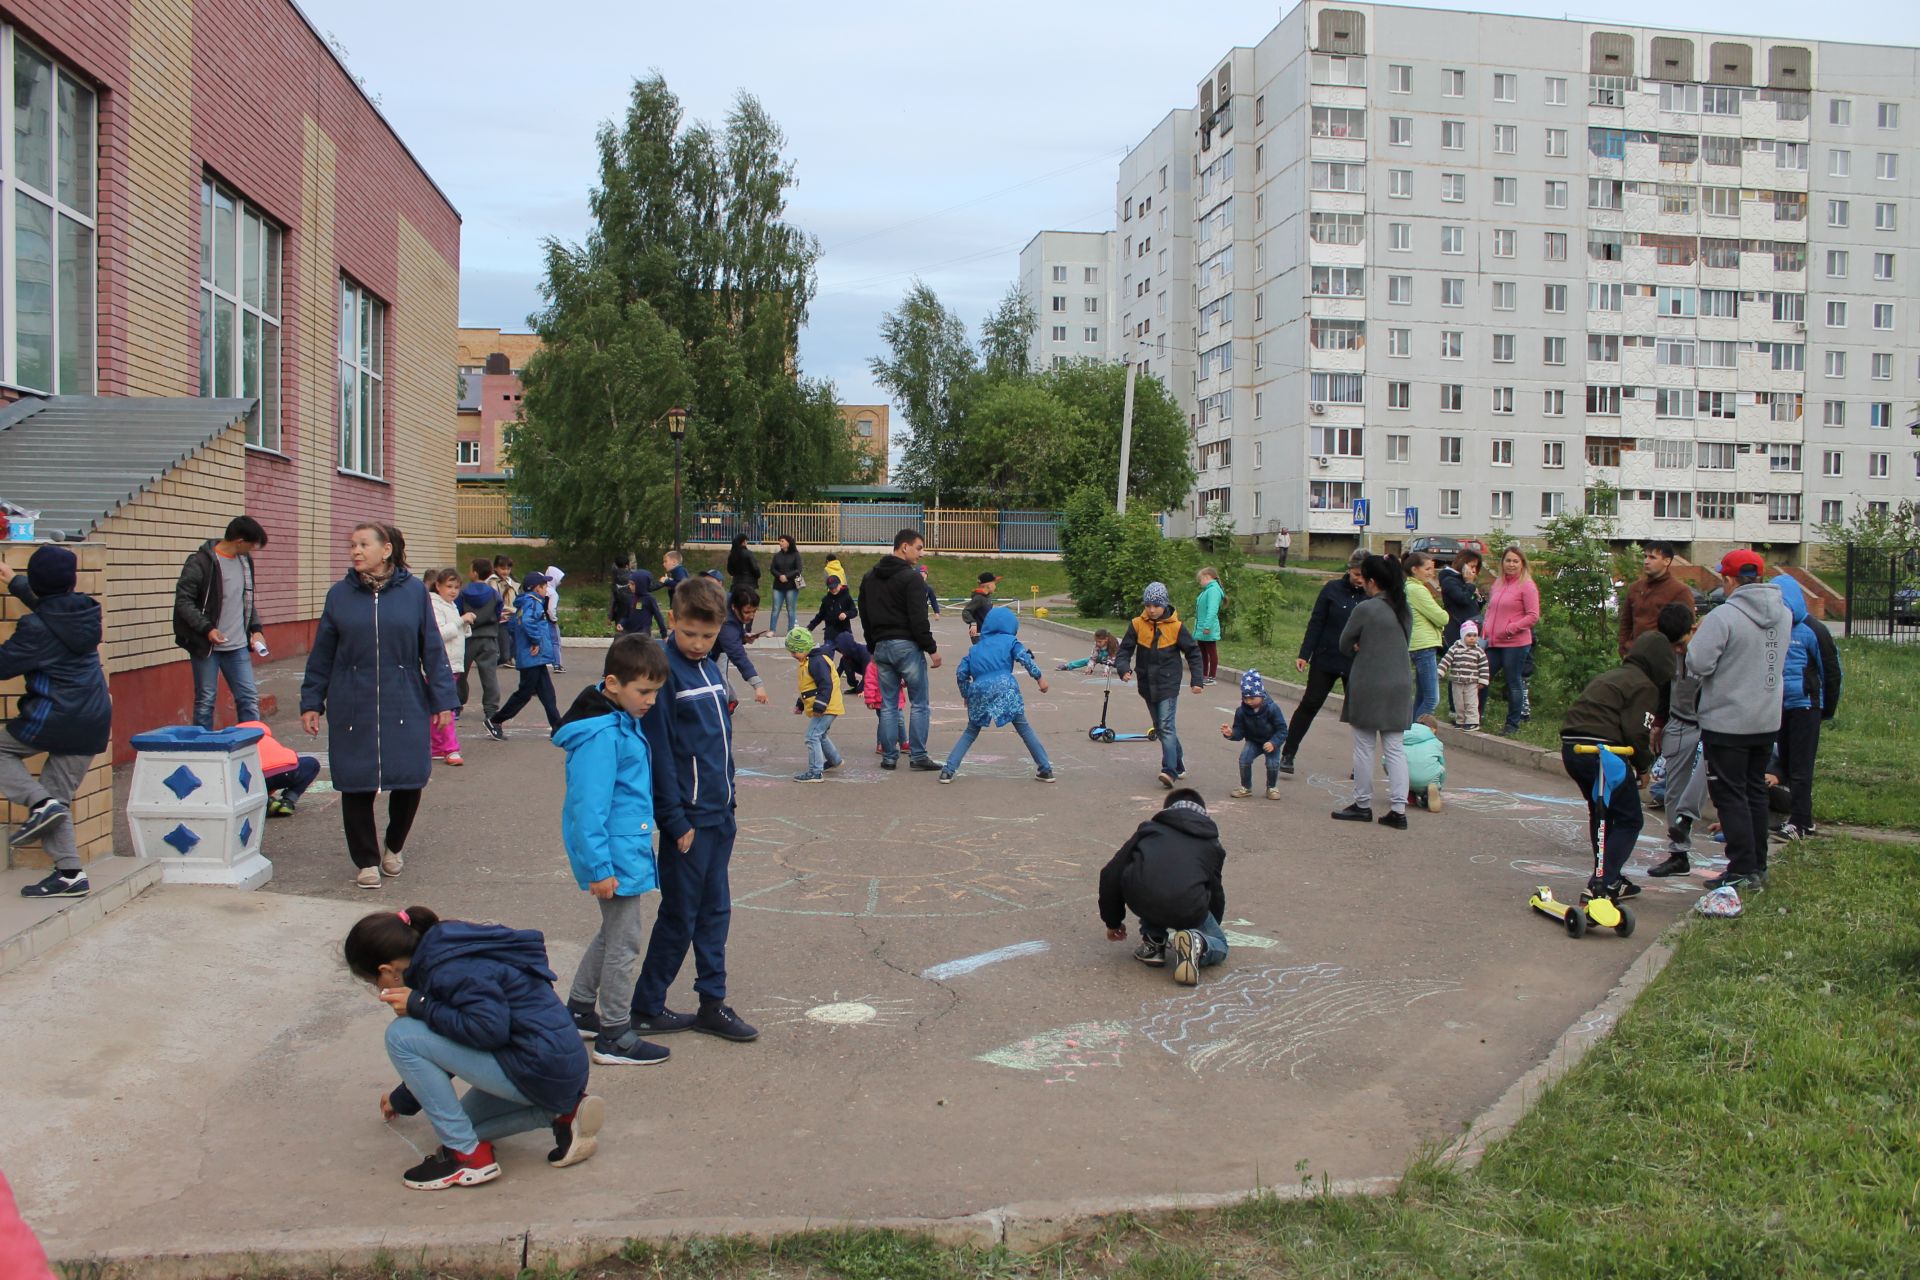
[(1553, 350), (1336, 442), (1836, 264), (1451, 397), (1716, 457), (1396, 501), (1552, 505), (363, 341), (1400, 236), (1719, 405), (1399, 448), (1453, 239), (1059, 275), (1506, 190), (1500, 506), (1400, 131), (1340, 282), (1259, 407), (1506, 139), (1259, 114), (1877, 466), (1603, 401), (1503, 348), (1400, 291), (1399, 395), (1556, 195), (1882, 366), (1329, 175), (47, 186), (1059, 302), (1554, 298), (1831, 512), (1501, 400), (1669, 504), (1450, 502), (1603, 348), (1092, 305), (1836, 315), (1605, 193), (1338, 122), (1673, 402), (1886, 166), (1831, 464), (1714, 505), (1673, 300), (1337, 388), (1724, 303), (1553, 454), (1683, 98), (1840, 111), (1336, 335), (1332, 69), (1603, 297), (1782, 406), (240, 308), (1672, 455), (1334, 495), (1453, 291), (1506, 87), (1783, 458), (1723, 100), (1837, 213), (1400, 184), (1720, 151), (1453, 83), (1789, 356), (1783, 508), (1836, 364), (469, 453), (1883, 315), (1059, 333), (1504, 294), (1839, 163), (1833, 413), (1400, 341), (1880, 415), (1889, 115), (1556, 142), (1720, 202), (1554, 402), (1883, 266), (1399, 79), (1453, 187), (1556, 91), (1554, 247), (1090, 275), (1450, 348), (1092, 333), (1605, 451), (1450, 450)]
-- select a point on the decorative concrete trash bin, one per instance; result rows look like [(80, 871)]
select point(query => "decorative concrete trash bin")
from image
[(198, 805)]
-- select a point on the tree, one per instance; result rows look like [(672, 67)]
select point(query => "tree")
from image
[(926, 367), (1159, 471), (1577, 633), (1006, 336), (1895, 529)]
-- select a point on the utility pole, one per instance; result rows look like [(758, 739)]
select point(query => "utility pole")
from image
[(1126, 439)]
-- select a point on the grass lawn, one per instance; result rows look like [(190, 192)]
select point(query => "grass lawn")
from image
[(1753, 1115)]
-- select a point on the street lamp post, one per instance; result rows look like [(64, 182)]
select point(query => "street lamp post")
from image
[(677, 429)]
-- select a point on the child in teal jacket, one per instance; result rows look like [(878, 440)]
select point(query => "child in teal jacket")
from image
[(1426, 766), (1206, 621)]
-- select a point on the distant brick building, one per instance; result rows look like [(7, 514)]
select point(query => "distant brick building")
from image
[(491, 362), (867, 424)]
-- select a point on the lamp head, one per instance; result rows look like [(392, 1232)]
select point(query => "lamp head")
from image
[(677, 423)]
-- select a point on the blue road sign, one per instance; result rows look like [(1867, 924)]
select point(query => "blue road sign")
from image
[(1362, 508), (1413, 519)]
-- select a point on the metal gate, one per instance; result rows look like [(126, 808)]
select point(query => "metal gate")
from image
[(1883, 593)]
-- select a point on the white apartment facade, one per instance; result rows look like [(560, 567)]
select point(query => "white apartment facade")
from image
[(1474, 266), (1067, 277)]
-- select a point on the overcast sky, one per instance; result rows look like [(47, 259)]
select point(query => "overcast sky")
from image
[(929, 140)]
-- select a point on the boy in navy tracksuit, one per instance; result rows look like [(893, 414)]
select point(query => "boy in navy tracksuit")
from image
[(689, 732)]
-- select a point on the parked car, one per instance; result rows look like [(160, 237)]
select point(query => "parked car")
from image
[(1444, 549)]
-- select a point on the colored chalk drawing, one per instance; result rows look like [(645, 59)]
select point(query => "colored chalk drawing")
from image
[(1253, 940), (834, 1012), (1059, 1055), (967, 964)]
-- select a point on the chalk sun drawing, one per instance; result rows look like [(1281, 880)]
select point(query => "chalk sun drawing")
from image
[(834, 1012)]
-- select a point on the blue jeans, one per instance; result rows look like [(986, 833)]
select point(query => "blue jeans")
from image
[(1426, 682), (1514, 662), (1209, 929), (1171, 759), (1249, 752), (293, 783), (820, 749), (901, 662), (696, 908), (1020, 726), (237, 666), (790, 601), (429, 1062)]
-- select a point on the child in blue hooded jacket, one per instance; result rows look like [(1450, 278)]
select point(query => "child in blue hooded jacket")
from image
[(475, 1002), (531, 633), (992, 689), (606, 823), (1259, 724), (1810, 695)]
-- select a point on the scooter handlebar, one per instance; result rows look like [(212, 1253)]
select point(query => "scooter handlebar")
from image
[(1592, 749)]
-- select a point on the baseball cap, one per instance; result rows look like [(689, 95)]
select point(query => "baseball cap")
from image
[(988, 575), (1742, 564), (533, 580)]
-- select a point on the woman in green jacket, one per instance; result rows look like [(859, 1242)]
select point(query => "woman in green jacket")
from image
[(1429, 621), (1206, 621)]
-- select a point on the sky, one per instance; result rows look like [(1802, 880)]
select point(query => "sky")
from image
[(929, 141)]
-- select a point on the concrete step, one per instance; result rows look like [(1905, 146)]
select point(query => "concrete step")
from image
[(33, 926)]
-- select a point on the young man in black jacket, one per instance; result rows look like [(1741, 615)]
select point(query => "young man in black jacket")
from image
[(214, 619), (1320, 655), (893, 608), (1168, 873)]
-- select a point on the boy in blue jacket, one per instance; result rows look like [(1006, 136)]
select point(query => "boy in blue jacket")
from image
[(1810, 695), (65, 711), (606, 823), (532, 635), (690, 735), (1258, 723)]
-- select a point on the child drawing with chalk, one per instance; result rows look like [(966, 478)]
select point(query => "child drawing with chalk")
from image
[(1168, 873), (475, 1002), (990, 683)]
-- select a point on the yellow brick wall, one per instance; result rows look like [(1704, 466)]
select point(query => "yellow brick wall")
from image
[(162, 244), (421, 381), (318, 373), (93, 805)]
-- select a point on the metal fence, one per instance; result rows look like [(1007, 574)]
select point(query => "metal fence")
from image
[(873, 524), (484, 512), (1883, 593)]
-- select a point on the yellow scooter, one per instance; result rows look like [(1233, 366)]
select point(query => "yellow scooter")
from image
[(1598, 912)]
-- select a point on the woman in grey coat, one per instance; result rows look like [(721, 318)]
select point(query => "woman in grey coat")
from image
[(1379, 697)]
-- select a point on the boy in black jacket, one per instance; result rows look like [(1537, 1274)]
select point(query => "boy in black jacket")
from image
[(1168, 873), (64, 712), (1617, 708), (1157, 643), (837, 611)]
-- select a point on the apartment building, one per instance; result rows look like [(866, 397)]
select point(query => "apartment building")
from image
[(1471, 268), (1067, 277)]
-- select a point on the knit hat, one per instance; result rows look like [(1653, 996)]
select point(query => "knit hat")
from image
[(799, 640), (1469, 628), (52, 571), (1252, 686), (1156, 593), (1358, 558)]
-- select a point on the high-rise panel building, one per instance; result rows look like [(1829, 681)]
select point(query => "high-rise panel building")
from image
[(1067, 277), (1153, 211)]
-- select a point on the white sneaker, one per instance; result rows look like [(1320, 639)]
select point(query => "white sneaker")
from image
[(369, 878), (1273, 793), (1434, 798), (1240, 793), (392, 864)]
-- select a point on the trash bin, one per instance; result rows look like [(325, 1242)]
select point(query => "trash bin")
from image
[(198, 805)]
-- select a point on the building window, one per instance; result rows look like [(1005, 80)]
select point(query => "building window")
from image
[(1840, 111), (1554, 402), (1453, 239), (469, 455), (1556, 91), (1399, 78), (1880, 415), (1552, 505), (1453, 83), (363, 341), (1831, 512), (1837, 213), (1450, 450), (1059, 333), (1783, 508), (1503, 344), (1883, 315), (1502, 401), (1504, 294), (1506, 191), (1783, 458), (1451, 397), (1453, 135), (1714, 505), (1833, 413), (1059, 275), (1399, 290), (1396, 501), (1505, 242), (1837, 264), (1836, 315), (1500, 506), (1400, 341), (1889, 115), (1556, 195), (1506, 87), (1670, 504), (240, 308), (1715, 456), (1399, 395), (1831, 463), (1554, 298), (1883, 266), (1090, 275), (1400, 184), (1093, 333), (1400, 237), (1877, 466), (1553, 454), (1399, 448), (1453, 187), (47, 212), (1059, 302), (1093, 305), (1453, 291), (1450, 502), (1839, 163), (1338, 442), (1883, 366)]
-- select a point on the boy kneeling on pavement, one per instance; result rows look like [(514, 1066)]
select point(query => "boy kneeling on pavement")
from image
[(1168, 873)]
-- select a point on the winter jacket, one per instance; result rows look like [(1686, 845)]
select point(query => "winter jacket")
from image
[(732, 644), (786, 570), (1206, 611), (1331, 608), (1168, 872), (1426, 758), (743, 568), (1512, 610), (1813, 669), (483, 602), (1157, 649), (530, 629), (490, 988), (893, 605), (691, 736), (379, 673), (1739, 652), (622, 599), (852, 658), (1621, 704), (606, 818), (986, 675), (453, 629), (820, 685), (1461, 599), (1429, 617), (1261, 726), (1465, 664), (197, 600), (837, 612), (1379, 677), (1640, 607), (65, 708), (645, 615)]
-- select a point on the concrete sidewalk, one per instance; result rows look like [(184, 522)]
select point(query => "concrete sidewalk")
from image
[(945, 1028)]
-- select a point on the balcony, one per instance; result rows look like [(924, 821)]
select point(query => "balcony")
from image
[(1349, 360), (1331, 147)]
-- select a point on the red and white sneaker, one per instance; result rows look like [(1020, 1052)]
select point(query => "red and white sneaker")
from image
[(445, 1168), (453, 758)]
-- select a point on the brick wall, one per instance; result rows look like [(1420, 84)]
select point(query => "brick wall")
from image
[(423, 364)]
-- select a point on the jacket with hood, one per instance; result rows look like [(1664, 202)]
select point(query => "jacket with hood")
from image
[(690, 734), (1168, 872), (979, 604), (530, 628), (742, 567), (786, 570), (1331, 609), (1206, 610), (65, 708), (379, 673), (489, 987), (986, 675), (645, 614), (606, 819), (1461, 600), (1261, 726), (483, 602), (621, 603), (1621, 704), (732, 644), (893, 605), (820, 685), (1739, 653), (837, 612), (1155, 652), (1813, 660), (453, 629), (197, 597)]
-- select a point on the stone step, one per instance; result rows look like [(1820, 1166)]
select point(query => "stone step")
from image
[(30, 927)]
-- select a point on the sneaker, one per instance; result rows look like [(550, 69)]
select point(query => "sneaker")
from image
[(831, 765), (278, 808), (453, 758), (663, 1023), (1152, 954), (1166, 779), (1728, 880), (1286, 764), (809, 776), (47, 813), (493, 729), (1044, 775), (368, 878), (923, 766), (576, 1137), (1240, 793), (586, 1021), (1273, 793), (1619, 891), (446, 1168), (1434, 799), (889, 765), (1395, 818), (391, 863), (627, 1049), (1675, 863), (60, 884), (946, 776), (1353, 813), (717, 1019), (559, 670), (1191, 947), (1786, 832)]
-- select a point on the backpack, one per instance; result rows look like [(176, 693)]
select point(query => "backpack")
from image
[(623, 601)]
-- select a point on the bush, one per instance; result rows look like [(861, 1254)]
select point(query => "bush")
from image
[(1110, 558), (1576, 638)]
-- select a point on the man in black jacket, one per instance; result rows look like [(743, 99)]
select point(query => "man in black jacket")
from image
[(1168, 873), (214, 619), (1320, 655), (893, 609)]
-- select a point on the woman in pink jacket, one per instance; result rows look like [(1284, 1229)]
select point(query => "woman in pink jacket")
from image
[(1507, 628)]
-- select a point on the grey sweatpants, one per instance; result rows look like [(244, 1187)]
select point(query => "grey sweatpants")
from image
[(59, 778), (1396, 762), (1686, 781), (611, 966)]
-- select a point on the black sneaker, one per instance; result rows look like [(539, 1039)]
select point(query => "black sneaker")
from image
[(47, 813), (1286, 764), (625, 1048), (1674, 864), (1619, 891), (1044, 775), (923, 766), (60, 884), (663, 1023), (889, 764), (446, 1168), (493, 729), (1353, 813), (1151, 954), (586, 1022), (1728, 880), (576, 1137), (717, 1019), (1394, 818)]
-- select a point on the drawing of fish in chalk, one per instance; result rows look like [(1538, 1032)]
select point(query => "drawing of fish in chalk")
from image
[(1058, 1054)]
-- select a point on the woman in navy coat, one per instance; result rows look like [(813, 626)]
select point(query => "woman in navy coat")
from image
[(379, 673)]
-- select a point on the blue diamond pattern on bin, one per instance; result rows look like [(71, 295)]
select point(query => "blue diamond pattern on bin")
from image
[(246, 778), (182, 839), (183, 782), (246, 831)]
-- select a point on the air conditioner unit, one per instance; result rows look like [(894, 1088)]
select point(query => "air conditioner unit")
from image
[(1318, 408), (1323, 462), (1799, 326)]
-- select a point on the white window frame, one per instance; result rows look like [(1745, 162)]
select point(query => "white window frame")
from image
[(1553, 455), (466, 453), (1556, 91), (264, 424), (360, 385)]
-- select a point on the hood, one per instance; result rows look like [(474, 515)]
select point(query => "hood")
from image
[(1000, 621), (891, 566), (642, 580), (451, 940), (1794, 597), (1653, 654), (1755, 599), (73, 619), (1188, 822), (592, 712)]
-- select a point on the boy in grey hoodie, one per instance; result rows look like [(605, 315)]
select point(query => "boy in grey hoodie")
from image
[(1739, 655)]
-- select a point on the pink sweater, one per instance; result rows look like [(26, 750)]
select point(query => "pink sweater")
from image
[(1512, 609)]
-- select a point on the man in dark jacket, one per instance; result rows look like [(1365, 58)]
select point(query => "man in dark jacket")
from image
[(1617, 708), (1646, 596), (64, 711), (1168, 873), (893, 607), (483, 645), (1320, 655), (214, 619)]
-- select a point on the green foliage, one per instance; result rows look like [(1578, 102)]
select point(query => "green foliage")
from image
[(1576, 637), (927, 363), (1110, 558), (1006, 336), (1897, 529)]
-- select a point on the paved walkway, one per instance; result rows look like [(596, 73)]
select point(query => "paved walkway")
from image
[(946, 1029)]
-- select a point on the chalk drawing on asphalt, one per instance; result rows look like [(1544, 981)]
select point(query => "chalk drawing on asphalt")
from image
[(1061, 1054), (968, 964), (834, 1012), (1253, 940)]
